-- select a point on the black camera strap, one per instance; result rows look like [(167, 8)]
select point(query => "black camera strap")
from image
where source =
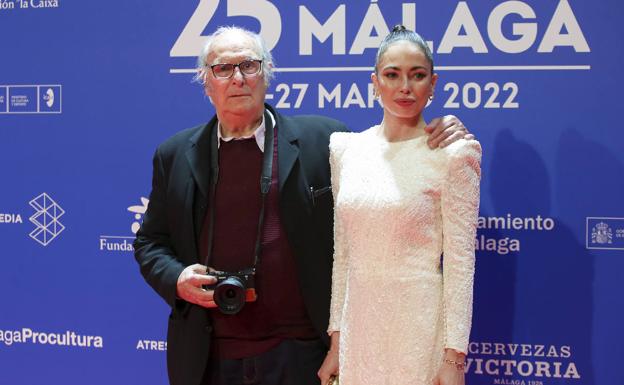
[(265, 185)]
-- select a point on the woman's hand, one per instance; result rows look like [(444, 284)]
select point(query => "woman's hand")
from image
[(330, 364), (451, 374)]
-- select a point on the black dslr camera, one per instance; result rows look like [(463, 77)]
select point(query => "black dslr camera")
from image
[(233, 289)]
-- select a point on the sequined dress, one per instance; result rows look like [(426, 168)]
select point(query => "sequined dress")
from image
[(399, 206)]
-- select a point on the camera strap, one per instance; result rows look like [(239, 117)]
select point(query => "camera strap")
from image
[(265, 184)]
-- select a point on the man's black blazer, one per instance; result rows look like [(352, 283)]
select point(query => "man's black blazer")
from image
[(168, 239)]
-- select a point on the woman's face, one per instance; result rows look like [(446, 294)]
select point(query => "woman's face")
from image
[(404, 81)]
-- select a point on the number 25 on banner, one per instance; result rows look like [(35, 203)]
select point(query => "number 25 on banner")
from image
[(191, 38)]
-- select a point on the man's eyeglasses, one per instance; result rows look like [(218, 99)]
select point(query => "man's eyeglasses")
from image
[(246, 67)]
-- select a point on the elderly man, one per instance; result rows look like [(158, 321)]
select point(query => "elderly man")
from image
[(249, 194)]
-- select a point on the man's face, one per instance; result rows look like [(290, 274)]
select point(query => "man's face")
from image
[(239, 95)]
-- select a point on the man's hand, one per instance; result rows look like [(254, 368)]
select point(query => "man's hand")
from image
[(446, 130), (189, 286), (329, 368)]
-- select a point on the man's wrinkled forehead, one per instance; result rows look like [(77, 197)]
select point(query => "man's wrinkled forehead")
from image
[(233, 45)]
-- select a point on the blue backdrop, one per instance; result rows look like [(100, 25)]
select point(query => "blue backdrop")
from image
[(88, 89)]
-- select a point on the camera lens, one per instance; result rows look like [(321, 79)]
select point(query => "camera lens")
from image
[(229, 295)]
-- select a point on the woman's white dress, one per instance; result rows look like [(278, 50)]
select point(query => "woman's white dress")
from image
[(399, 207)]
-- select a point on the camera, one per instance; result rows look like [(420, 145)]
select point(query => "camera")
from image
[(232, 289)]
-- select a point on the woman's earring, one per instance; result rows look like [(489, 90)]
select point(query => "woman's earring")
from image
[(431, 97)]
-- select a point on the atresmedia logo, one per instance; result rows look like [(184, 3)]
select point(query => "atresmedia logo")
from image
[(46, 219)]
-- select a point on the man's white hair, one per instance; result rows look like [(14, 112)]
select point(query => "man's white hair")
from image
[(260, 48)]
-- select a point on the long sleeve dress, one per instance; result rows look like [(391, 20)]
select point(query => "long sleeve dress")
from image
[(395, 300)]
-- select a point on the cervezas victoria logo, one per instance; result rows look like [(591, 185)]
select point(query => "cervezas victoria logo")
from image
[(522, 364)]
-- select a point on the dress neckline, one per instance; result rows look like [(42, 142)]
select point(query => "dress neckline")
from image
[(374, 132)]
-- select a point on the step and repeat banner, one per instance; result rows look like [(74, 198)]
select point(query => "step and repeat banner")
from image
[(89, 88)]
